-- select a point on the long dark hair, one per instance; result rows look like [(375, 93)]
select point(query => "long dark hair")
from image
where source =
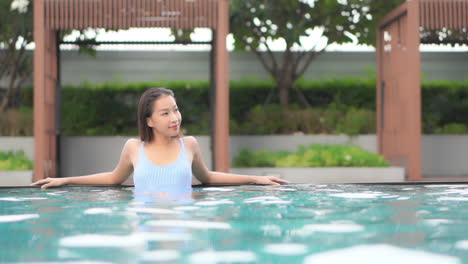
[(145, 110)]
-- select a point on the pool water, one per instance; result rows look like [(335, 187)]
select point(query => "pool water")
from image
[(242, 224)]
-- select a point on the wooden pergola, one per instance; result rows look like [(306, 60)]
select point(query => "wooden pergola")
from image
[(399, 35), (53, 16)]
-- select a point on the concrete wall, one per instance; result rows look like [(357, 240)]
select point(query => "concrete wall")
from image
[(18, 143), (443, 155), (139, 66)]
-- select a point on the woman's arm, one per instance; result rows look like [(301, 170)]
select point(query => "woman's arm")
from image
[(202, 173), (228, 178), (118, 175)]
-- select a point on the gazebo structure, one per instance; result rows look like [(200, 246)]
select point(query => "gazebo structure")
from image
[(53, 16), (399, 73)]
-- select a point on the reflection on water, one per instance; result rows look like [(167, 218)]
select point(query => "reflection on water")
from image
[(165, 195), (264, 224)]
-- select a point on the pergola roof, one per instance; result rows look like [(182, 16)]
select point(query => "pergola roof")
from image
[(439, 14), (440, 21), (124, 14)]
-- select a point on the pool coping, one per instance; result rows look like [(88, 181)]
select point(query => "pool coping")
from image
[(234, 185)]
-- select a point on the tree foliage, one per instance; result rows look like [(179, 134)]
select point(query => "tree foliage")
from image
[(16, 33), (256, 23)]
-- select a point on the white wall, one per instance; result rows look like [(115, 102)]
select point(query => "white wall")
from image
[(147, 66), (18, 143)]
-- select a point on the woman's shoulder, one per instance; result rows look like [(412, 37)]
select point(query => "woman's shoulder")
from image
[(190, 141), (133, 141), (132, 144)]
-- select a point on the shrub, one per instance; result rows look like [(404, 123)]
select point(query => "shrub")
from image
[(443, 103), (200, 127), (339, 106), (262, 158), (315, 155), (357, 121), (452, 128), (273, 119), (16, 122), (12, 161)]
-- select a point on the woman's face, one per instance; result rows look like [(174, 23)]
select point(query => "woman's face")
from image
[(166, 117)]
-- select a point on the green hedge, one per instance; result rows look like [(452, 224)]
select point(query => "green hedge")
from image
[(444, 103), (244, 95), (315, 155), (110, 108), (13, 161), (333, 119), (17, 122)]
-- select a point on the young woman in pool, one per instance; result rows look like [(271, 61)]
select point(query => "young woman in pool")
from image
[(161, 158)]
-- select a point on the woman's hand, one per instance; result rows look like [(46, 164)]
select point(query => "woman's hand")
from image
[(49, 182), (269, 180)]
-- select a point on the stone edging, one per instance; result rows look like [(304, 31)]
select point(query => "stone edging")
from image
[(16, 178)]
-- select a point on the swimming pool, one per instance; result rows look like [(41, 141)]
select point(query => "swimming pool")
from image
[(352, 223)]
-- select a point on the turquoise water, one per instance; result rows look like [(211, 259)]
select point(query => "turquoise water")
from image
[(242, 224)]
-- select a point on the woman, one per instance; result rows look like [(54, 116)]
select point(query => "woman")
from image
[(161, 158)]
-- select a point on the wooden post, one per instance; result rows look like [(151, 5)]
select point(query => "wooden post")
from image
[(45, 78), (221, 135), (413, 83)]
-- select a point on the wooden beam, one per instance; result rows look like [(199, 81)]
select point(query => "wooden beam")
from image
[(221, 136), (413, 91), (45, 83)]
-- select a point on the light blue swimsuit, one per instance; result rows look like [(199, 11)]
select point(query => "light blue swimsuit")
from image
[(151, 178)]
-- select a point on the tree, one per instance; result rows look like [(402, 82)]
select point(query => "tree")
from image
[(255, 23), (16, 32)]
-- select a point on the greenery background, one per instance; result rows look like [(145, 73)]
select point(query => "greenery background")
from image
[(14, 161), (339, 106), (315, 155)]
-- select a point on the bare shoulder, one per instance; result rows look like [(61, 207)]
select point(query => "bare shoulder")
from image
[(131, 145), (130, 149), (132, 142), (191, 142)]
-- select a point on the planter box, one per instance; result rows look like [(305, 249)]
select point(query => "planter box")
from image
[(16, 178), (329, 175)]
